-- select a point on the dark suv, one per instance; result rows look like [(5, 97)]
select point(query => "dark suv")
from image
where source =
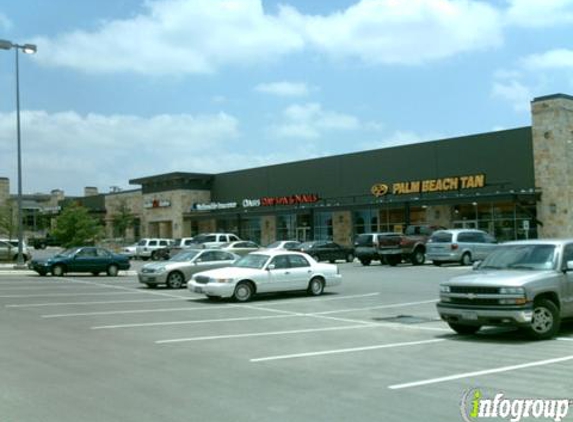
[(367, 246)]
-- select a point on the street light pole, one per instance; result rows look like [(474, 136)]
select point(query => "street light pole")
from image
[(28, 49)]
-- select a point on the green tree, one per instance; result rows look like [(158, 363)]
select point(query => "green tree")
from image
[(123, 219), (75, 227), (7, 220)]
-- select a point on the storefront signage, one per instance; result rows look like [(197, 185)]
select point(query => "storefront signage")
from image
[(444, 184), (157, 203), (214, 206), (269, 201)]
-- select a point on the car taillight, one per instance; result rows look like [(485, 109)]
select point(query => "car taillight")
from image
[(454, 246)]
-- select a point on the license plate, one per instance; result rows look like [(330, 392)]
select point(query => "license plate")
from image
[(198, 289), (472, 316)]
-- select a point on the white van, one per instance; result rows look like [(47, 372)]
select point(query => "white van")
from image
[(150, 248)]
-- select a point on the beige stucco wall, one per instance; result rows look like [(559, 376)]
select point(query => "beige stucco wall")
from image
[(552, 130)]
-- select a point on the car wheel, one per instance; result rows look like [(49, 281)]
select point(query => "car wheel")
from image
[(57, 271), (315, 287), (154, 256), (394, 260), (112, 270), (365, 262), (332, 261), (418, 257), (464, 329), (545, 320), (95, 273), (243, 292), (349, 257), (466, 259), (175, 280), (42, 273), (437, 263)]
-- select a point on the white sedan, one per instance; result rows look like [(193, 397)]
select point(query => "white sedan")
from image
[(266, 272)]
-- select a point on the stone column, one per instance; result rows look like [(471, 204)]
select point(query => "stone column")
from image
[(552, 131), (268, 229), (342, 227)]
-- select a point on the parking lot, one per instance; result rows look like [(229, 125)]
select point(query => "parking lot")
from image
[(108, 349)]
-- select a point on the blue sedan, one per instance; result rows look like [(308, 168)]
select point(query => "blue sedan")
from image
[(86, 259)]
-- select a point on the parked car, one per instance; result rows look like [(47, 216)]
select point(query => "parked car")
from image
[(129, 251), (326, 251), (242, 247), (44, 242), (367, 246), (9, 250), (289, 245), (409, 246), (151, 248), (86, 259), (179, 245), (179, 269), (459, 245), (211, 240), (266, 272), (526, 284)]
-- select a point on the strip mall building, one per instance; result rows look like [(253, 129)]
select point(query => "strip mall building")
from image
[(514, 184)]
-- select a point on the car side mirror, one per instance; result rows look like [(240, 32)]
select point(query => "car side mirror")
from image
[(476, 265), (271, 267)]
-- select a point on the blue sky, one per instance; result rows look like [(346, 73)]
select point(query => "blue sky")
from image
[(121, 89)]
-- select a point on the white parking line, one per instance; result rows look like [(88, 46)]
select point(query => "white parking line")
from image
[(564, 338), (141, 311), (480, 373), (197, 321), (267, 333), (392, 305), (109, 302), (348, 350)]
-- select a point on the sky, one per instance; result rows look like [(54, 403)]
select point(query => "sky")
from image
[(122, 89)]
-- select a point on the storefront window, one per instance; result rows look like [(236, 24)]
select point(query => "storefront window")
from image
[(323, 226), (286, 227), (251, 229), (365, 221), (392, 220), (227, 225)]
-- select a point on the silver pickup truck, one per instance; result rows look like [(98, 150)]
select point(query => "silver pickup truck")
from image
[(526, 284)]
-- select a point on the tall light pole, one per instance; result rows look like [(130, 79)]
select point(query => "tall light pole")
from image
[(28, 49)]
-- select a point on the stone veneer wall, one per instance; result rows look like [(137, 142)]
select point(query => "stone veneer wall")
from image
[(180, 203), (552, 131), (113, 202), (268, 229), (439, 215), (342, 227)]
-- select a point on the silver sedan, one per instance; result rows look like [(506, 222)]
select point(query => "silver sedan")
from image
[(179, 269)]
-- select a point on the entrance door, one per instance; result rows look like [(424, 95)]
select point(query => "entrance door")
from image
[(303, 234), (465, 224)]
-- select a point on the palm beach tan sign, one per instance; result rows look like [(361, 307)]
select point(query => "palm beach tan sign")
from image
[(445, 184)]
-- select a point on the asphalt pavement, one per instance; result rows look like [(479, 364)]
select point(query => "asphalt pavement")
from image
[(84, 348)]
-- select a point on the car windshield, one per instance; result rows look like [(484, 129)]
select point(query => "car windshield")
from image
[(252, 261), (522, 257), (306, 245), (185, 256), (275, 245), (68, 252)]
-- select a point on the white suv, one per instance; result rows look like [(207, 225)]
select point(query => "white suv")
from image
[(9, 250), (213, 240), (149, 248)]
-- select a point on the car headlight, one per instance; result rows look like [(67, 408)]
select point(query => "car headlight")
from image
[(221, 280), (512, 291), (444, 289), (160, 269)]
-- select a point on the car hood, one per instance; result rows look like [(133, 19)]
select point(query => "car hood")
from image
[(231, 272), (495, 278)]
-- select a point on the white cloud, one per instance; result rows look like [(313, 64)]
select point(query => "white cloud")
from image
[(311, 121), (539, 13), (103, 151), (401, 32), (201, 36), (561, 59), (283, 89), (514, 92)]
